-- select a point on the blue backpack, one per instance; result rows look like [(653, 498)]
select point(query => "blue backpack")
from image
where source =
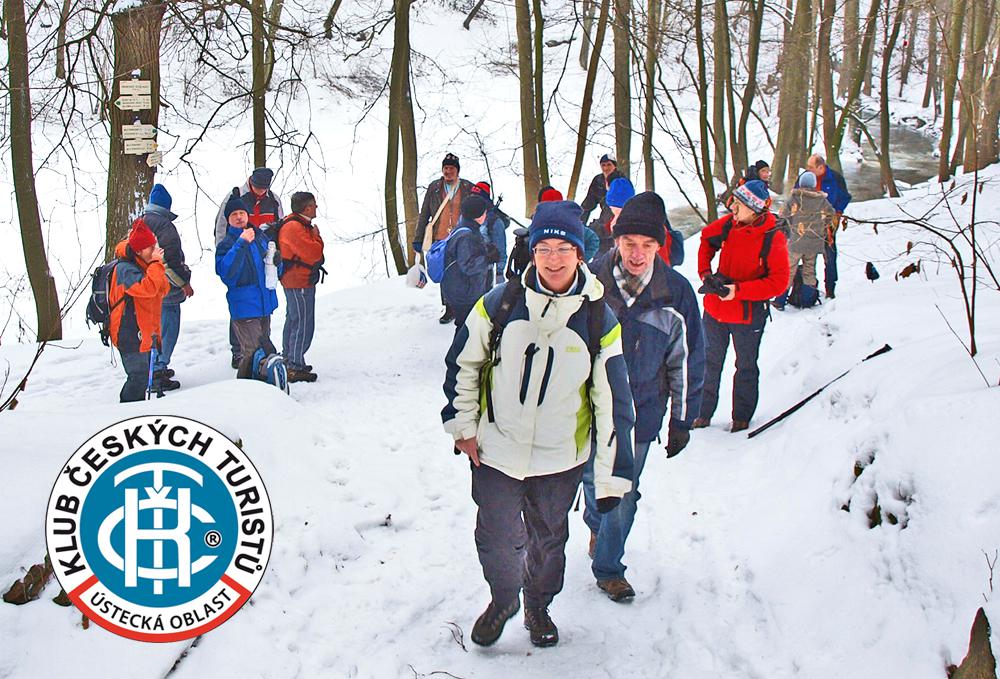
[(270, 368), (436, 255), (802, 296)]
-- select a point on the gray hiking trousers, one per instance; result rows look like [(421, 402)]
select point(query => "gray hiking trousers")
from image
[(521, 532)]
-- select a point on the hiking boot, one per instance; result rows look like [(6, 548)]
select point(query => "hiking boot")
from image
[(164, 372), (592, 549), (490, 624), (447, 317), (165, 384), (617, 589), (299, 375), (830, 295), (541, 629), (739, 425), (701, 422)]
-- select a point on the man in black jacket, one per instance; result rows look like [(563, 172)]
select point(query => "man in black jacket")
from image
[(160, 221), (596, 197)]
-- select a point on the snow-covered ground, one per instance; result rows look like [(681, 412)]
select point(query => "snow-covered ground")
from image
[(751, 558)]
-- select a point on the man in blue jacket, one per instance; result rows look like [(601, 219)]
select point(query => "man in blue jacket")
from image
[(468, 260), (160, 221), (833, 185), (664, 348), (240, 263)]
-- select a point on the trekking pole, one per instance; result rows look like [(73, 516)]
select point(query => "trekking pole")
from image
[(149, 381), (779, 418)]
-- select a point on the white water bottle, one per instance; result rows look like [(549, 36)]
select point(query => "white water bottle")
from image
[(270, 268)]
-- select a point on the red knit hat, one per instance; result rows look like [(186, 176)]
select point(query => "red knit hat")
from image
[(140, 237), (549, 195)]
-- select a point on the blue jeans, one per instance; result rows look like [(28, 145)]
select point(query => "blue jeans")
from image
[(830, 266), (612, 528), (170, 328)]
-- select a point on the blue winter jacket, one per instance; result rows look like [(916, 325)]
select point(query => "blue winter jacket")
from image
[(663, 343), (467, 274), (240, 265), (835, 188)]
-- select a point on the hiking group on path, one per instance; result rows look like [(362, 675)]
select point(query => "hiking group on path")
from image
[(569, 353)]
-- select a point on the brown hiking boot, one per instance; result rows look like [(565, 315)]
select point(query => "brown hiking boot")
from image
[(739, 425), (541, 629), (296, 375), (617, 589), (490, 624), (701, 422), (593, 545)]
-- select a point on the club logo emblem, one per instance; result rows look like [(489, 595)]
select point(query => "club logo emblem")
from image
[(159, 528)]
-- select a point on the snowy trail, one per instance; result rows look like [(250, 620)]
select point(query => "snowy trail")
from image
[(745, 562)]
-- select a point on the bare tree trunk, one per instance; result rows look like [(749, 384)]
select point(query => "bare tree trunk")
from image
[(543, 159), (790, 146), (989, 145), (851, 37), (932, 60), (854, 89), (529, 140), (706, 139), (271, 30), (824, 81), (259, 82), (720, 30), (652, 57), (397, 83), (588, 22), (588, 98), (750, 90), (408, 133), (130, 179), (953, 48), (622, 87), (973, 94), (888, 181), (61, 40), (868, 69), (911, 40), (43, 286)]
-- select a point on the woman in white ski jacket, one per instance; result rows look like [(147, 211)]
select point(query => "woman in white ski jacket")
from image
[(537, 364)]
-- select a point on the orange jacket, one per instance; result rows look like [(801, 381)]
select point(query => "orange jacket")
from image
[(136, 297), (301, 249)]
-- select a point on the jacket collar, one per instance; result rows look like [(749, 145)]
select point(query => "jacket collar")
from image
[(160, 210), (656, 292)]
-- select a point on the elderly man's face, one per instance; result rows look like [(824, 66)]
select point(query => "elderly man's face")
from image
[(450, 173), (637, 252), (814, 166)]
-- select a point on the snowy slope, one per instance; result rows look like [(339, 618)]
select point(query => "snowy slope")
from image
[(745, 561)]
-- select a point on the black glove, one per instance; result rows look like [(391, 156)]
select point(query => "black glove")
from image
[(677, 440), (492, 253), (418, 246), (715, 284), (607, 504)]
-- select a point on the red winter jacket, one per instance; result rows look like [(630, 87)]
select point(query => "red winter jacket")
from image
[(740, 260), (302, 248)]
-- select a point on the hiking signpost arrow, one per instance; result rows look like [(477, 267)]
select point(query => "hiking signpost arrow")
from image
[(134, 102), (779, 418), (137, 147), (138, 131), (154, 159)]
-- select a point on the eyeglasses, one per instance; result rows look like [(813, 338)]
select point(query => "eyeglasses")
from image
[(561, 251)]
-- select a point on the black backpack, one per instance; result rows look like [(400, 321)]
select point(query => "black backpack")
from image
[(514, 293), (98, 307)]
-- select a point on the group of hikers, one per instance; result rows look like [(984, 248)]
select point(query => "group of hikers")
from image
[(564, 373), (569, 351), (257, 247)]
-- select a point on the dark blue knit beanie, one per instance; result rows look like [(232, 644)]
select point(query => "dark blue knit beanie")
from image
[(160, 196), (557, 219)]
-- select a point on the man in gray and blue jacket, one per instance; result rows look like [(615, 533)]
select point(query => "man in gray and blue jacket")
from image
[(664, 348), (537, 364)]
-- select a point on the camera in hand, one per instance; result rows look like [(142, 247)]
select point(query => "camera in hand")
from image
[(715, 284)]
